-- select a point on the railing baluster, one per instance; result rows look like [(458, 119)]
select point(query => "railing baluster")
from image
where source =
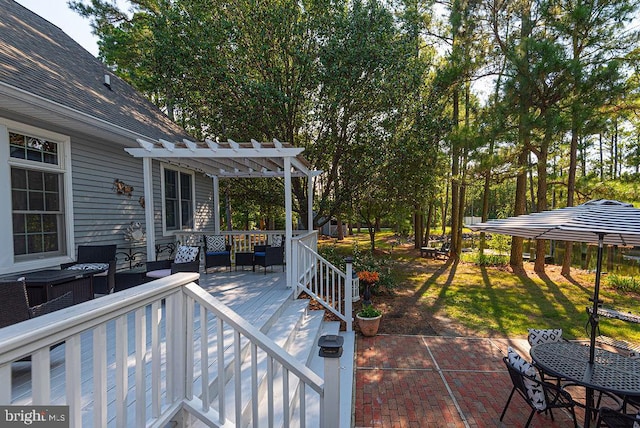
[(156, 360), (5, 380), (285, 397), (40, 376), (237, 376), (204, 358), (254, 385), (141, 336), (188, 384), (303, 404), (270, 396), (100, 376), (221, 377), (121, 370), (72, 379)]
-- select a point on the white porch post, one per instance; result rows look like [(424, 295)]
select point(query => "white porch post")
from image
[(288, 205), (310, 202), (216, 204), (148, 208)]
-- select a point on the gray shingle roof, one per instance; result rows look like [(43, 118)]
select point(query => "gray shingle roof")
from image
[(39, 58)]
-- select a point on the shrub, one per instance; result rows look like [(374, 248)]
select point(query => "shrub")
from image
[(486, 259), (623, 283)]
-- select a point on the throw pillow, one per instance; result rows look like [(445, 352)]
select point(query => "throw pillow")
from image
[(186, 254), (534, 389), (88, 266), (215, 243), (537, 336), (276, 241)]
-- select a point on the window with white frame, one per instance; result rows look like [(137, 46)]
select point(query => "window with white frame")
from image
[(37, 196), (178, 199)]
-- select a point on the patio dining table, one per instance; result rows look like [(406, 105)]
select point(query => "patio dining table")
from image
[(610, 372)]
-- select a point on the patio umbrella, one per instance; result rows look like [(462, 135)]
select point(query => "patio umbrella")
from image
[(599, 221)]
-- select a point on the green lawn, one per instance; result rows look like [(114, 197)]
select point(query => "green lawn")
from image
[(496, 302)]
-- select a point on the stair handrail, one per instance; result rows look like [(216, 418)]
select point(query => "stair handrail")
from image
[(323, 281)]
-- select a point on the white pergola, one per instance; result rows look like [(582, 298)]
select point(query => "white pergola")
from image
[(227, 160)]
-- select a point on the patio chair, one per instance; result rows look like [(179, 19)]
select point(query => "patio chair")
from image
[(269, 255), (14, 303), (187, 260), (549, 335), (216, 252), (539, 395), (97, 257), (615, 419)]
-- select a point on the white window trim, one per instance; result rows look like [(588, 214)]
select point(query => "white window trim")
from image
[(7, 263), (164, 166)]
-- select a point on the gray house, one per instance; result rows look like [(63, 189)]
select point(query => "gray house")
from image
[(64, 123), (87, 155)]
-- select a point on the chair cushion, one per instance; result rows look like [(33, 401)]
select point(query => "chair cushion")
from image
[(259, 253), (218, 253), (215, 243), (88, 266), (534, 391), (537, 336), (160, 273), (186, 254), (276, 241)]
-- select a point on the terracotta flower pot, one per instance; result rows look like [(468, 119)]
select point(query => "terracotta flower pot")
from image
[(369, 326)]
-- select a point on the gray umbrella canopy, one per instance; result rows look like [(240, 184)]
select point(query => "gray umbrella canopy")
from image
[(618, 222), (600, 221)]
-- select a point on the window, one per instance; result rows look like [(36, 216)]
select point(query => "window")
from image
[(37, 206), (178, 200)]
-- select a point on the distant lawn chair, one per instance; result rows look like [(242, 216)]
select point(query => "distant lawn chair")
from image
[(97, 257)]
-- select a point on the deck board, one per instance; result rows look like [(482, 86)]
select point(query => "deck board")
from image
[(254, 296)]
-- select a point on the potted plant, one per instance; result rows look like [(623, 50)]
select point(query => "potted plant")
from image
[(369, 320)]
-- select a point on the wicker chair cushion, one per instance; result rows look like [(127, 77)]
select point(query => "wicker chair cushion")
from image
[(160, 273), (186, 254), (88, 266), (215, 243), (276, 241), (537, 336), (534, 391), (217, 253)]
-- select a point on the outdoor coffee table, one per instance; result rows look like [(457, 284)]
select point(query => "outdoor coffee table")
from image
[(45, 285), (610, 372)]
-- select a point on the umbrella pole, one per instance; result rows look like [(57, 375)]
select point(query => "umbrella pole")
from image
[(593, 318)]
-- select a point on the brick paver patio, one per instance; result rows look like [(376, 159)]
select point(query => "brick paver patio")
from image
[(435, 381)]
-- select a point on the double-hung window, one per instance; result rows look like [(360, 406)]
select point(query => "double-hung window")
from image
[(37, 196), (178, 198)]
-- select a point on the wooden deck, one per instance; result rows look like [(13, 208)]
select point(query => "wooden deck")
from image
[(255, 296)]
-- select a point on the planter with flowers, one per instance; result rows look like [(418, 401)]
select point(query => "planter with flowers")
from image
[(367, 279), (369, 320)]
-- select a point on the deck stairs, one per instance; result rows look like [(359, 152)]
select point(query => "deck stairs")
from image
[(296, 329)]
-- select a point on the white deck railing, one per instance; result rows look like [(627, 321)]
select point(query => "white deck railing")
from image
[(322, 280), (141, 356), (240, 240)]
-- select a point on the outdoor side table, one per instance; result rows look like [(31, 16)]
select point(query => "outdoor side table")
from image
[(610, 372), (130, 278), (45, 285), (244, 259)]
